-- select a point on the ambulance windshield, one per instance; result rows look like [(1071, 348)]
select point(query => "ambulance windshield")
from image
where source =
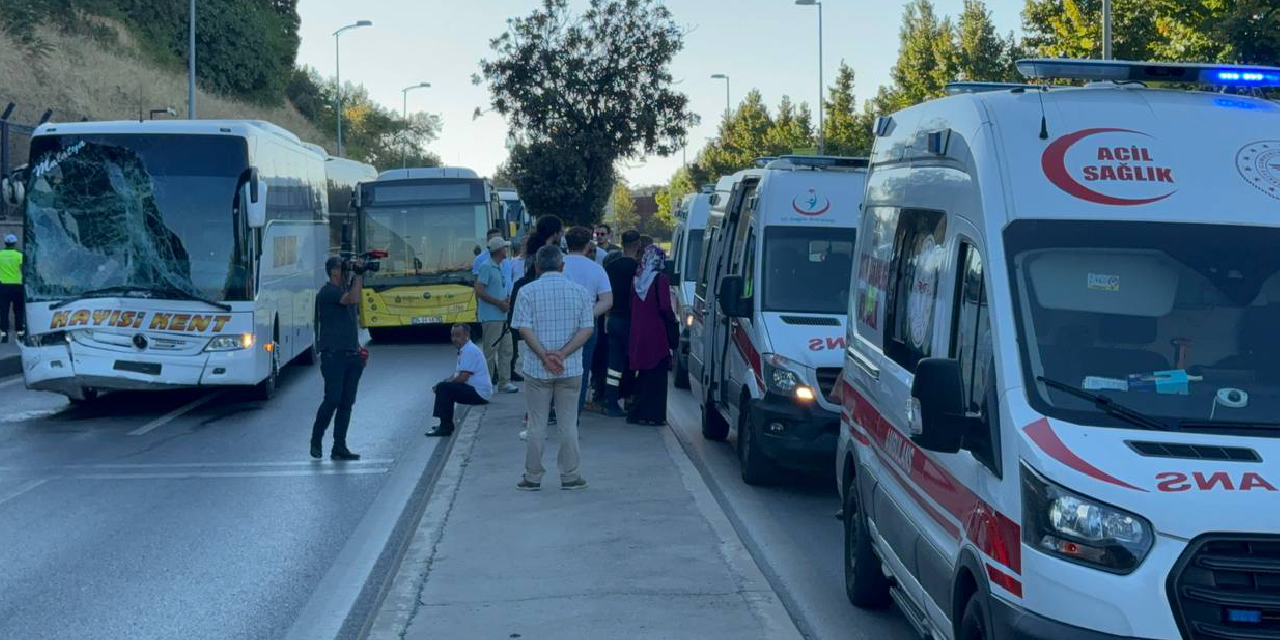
[(1178, 321), (134, 211), (807, 269)]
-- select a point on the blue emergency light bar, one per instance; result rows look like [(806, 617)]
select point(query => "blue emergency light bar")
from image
[(958, 88), (824, 162), (1126, 71)]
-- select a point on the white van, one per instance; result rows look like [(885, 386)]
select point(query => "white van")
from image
[(686, 257), (766, 356), (1063, 372)]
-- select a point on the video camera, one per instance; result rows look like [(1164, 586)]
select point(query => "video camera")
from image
[(371, 264)]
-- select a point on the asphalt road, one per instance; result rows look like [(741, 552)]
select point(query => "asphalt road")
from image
[(791, 529), (193, 514)]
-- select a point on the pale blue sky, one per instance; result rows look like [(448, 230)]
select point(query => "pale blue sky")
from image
[(766, 44)]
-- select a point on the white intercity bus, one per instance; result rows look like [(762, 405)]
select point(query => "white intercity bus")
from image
[(170, 254)]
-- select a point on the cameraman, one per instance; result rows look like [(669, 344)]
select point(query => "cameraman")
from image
[(341, 360)]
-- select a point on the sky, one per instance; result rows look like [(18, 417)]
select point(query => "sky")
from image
[(770, 45)]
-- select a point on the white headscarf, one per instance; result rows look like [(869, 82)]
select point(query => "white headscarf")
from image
[(651, 264)]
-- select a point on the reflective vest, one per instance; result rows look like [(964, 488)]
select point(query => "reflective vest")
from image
[(10, 266)]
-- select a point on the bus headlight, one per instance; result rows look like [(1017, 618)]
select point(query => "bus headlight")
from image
[(230, 343), (1079, 529)]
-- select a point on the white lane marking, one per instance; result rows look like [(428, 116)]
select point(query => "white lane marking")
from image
[(21, 489), (12, 381), (179, 475), (220, 465), (168, 417)]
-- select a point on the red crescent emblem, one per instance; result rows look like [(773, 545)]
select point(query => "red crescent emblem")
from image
[(1054, 164), (810, 213)]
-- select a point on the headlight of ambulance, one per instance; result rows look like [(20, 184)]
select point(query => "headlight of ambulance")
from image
[(1079, 529), (230, 343), (688, 319), (782, 375)]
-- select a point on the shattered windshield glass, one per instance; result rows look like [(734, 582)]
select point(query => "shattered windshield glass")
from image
[(425, 240), (145, 211)]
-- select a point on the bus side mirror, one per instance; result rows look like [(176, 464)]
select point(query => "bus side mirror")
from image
[(732, 304), (13, 192), (256, 201), (936, 417)]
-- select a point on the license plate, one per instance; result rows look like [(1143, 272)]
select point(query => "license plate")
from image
[(426, 320)]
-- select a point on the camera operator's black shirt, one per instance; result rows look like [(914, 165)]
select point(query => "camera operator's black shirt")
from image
[(338, 330)]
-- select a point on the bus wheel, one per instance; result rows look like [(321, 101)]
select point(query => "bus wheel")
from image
[(756, 468), (267, 388), (379, 334), (864, 582), (90, 397)]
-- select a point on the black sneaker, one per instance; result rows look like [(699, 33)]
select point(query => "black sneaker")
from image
[(344, 455), (440, 431), (515, 377), (574, 484), (525, 485), (317, 451)]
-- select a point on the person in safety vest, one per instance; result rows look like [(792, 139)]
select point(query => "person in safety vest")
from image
[(11, 289)]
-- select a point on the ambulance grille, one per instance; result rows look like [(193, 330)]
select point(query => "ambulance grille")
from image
[(1227, 587), (820, 321), (827, 378), (1187, 451)]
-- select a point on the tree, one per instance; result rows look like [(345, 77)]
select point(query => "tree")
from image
[(667, 198), (622, 208), (981, 52), (927, 58), (743, 138), (553, 177), (1239, 31), (787, 133), (590, 90), (503, 177), (844, 128), (1073, 28)]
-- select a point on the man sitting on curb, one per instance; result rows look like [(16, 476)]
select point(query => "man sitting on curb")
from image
[(470, 383)]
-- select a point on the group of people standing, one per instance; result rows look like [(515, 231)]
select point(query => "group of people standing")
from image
[(583, 309)]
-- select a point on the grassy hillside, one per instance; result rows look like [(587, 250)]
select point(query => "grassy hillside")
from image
[(83, 77)]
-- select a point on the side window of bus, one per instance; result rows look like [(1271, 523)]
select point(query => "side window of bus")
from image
[(872, 280), (971, 345), (918, 256)]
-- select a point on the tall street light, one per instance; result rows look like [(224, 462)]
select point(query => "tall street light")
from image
[(1106, 29), (337, 67), (822, 141), (721, 76), (404, 107), (191, 62)]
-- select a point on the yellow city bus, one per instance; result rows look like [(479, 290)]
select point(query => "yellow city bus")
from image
[(432, 224)]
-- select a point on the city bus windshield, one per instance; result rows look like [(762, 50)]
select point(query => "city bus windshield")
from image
[(425, 241), (807, 269), (1176, 321), (121, 212)]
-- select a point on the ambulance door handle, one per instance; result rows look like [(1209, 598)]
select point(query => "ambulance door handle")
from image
[(864, 363)]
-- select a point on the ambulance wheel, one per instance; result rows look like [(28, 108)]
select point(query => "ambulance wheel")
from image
[(973, 625), (682, 373), (864, 582), (714, 426), (757, 469)]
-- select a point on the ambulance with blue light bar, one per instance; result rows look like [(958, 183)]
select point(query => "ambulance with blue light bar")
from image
[(767, 336), (1060, 402)]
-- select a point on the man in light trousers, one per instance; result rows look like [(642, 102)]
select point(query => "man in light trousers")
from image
[(554, 317), (492, 290)]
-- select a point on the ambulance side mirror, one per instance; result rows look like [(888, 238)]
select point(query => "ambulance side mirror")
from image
[(937, 420), (732, 304)]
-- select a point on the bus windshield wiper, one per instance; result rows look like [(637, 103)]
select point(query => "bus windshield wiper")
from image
[(172, 293), (1108, 406)]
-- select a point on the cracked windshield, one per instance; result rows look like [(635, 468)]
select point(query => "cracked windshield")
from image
[(134, 211), (639, 319)]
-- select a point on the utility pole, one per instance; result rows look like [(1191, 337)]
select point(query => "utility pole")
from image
[(191, 63), (337, 71), (1106, 29)]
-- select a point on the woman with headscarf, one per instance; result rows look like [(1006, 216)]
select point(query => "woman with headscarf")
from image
[(649, 352)]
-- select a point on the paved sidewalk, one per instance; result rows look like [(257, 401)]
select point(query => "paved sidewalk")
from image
[(643, 552), (10, 358)]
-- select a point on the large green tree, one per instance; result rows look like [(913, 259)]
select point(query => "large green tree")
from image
[(588, 90), (1231, 31), (743, 138), (787, 133), (1073, 28), (847, 132), (982, 55), (927, 59)]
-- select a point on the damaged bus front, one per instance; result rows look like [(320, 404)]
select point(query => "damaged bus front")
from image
[(170, 254)]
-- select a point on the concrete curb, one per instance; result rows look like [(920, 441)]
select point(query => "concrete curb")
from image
[(400, 601), (756, 590)]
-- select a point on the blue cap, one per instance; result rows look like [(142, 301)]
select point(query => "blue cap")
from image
[(11, 239)]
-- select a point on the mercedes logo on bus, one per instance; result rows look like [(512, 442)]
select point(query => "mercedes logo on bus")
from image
[(140, 341)]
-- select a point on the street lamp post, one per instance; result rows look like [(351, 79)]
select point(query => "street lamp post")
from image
[(1106, 29), (337, 70), (191, 62), (721, 76), (404, 108), (822, 139)]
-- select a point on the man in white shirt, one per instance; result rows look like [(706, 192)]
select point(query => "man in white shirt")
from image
[(554, 317), (470, 383), (589, 275)]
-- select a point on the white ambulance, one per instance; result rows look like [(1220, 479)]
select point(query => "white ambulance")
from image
[(1061, 394), (769, 309), (686, 257)]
